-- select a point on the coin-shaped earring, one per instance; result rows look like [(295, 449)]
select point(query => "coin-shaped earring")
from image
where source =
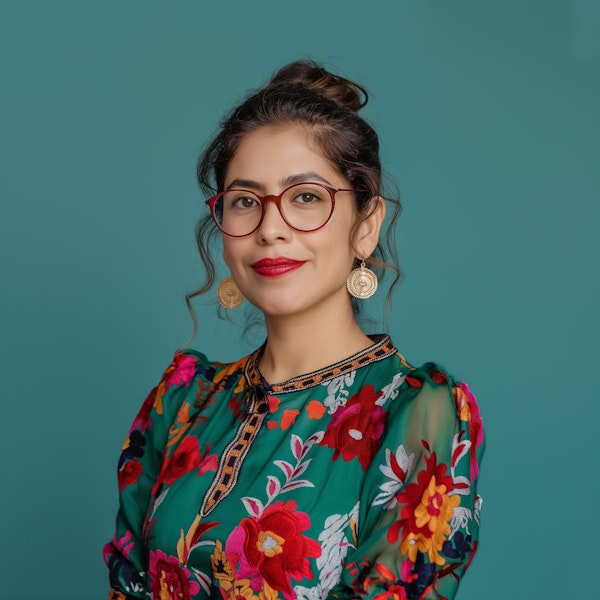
[(228, 293), (362, 282)]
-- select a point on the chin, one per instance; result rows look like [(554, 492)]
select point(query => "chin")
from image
[(277, 304), (278, 309)]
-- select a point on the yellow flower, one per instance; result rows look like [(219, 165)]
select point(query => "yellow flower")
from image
[(460, 399), (429, 508), (267, 593), (432, 516), (241, 589), (221, 567), (269, 543)]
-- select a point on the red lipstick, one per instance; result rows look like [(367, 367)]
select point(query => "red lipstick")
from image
[(274, 267)]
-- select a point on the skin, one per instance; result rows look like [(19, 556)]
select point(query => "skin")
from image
[(308, 312)]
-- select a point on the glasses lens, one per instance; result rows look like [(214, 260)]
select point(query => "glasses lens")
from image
[(238, 212), (306, 206)]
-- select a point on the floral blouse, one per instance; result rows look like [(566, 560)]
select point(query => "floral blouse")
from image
[(354, 481)]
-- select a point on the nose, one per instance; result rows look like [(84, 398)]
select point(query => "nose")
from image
[(273, 227)]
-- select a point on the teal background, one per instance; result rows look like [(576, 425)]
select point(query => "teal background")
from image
[(489, 119)]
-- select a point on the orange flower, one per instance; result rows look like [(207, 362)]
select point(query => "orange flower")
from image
[(315, 409), (288, 418)]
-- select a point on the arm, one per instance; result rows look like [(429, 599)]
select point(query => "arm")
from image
[(140, 471), (421, 523)]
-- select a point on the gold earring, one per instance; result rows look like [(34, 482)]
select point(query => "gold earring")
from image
[(362, 282), (228, 293)]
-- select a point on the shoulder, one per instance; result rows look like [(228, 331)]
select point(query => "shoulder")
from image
[(439, 409), (190, 367), (430, 392), (185, 366), (431, 382), (189, 376)]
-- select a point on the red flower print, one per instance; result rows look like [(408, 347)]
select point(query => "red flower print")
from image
[(209, 462), (142, 420), (271, 548), (383, 584), (426, 514), (413, 381), (168, 579), (129, 473), (438, 376), (393, 592), (468, 410), (186, 458), (356, 428)]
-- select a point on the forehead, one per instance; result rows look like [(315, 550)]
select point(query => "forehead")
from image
[(271, 154)]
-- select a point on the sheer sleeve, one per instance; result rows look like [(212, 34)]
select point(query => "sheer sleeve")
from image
[(140, 470), (420, 513)]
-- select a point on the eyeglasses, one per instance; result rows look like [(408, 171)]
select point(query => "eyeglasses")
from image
[(303, 206)]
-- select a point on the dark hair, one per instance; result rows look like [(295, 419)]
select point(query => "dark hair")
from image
[(304, 93)]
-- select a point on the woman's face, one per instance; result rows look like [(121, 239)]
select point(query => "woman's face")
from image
[(278, 269)]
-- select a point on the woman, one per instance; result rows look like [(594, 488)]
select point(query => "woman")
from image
[(353, 477)]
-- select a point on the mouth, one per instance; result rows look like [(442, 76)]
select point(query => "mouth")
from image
[(275, 267)]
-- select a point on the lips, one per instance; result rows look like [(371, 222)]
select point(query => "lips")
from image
[(274, 267)]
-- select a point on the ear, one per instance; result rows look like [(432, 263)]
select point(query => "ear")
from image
[(367, 236)]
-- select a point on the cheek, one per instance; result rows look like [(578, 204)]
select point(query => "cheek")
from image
[(227, 252), (235, 251), (338, 234)]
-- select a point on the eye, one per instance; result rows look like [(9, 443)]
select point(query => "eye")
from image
[(307, 198), (243, 201)]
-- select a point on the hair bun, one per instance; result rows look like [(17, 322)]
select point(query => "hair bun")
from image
[(311, 75)]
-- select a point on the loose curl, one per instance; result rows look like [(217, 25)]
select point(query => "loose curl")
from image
[(304, 93)]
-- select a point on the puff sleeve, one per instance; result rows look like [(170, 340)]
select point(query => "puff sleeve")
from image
[(140, 469), (420, 508)]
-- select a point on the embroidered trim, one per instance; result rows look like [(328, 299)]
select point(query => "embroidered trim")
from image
[(381, 349), (234, 454)]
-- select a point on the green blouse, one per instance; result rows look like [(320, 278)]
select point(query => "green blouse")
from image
[(354, 481)]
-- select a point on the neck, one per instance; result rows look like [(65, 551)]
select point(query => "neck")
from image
[(304, 343)]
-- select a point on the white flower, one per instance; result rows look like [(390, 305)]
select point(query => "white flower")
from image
[(460, 519), (337, 394), (391, 389), (397, 467)]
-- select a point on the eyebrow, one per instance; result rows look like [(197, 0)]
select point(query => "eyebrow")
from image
[(291, 180)]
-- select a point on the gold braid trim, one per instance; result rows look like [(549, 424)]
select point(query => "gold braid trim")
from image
[(234, 454)]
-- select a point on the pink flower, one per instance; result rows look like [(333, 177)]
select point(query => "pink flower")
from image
[(180, 371), (124, 545)]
